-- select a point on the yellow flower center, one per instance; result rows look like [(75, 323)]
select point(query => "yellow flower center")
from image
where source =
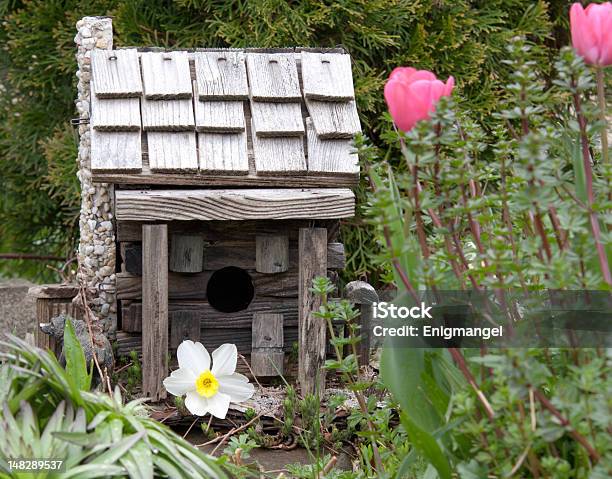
[(207, 384)]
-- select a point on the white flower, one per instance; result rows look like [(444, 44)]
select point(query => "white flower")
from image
[(208, 389)]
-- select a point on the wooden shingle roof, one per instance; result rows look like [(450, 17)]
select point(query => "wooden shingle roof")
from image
[(223, 117)]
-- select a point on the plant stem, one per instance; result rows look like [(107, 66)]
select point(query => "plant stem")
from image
[(601, 99)]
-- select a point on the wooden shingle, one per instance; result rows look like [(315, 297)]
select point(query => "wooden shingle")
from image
[(115, 114), (277, 119), (166, 75), (170, 151), (279, 155), (273, 77), (330, 156), (223, 153), (218, 115), (221, 76), (115, 151), (167, 115), (327, 76), (334, 119), (116, 73)]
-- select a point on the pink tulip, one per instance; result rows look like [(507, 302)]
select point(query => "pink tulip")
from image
[(592, 32), (412, 95)]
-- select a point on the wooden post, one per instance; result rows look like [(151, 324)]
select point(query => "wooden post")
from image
[(272, 253), (363, 295), (154, 310), (312, 246), (267, 354), (186, 253), (184, 325)]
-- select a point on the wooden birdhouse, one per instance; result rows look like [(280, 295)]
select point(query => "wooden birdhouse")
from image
[(213, 186)]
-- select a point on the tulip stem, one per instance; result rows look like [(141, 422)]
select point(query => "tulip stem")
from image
[(601, 98)]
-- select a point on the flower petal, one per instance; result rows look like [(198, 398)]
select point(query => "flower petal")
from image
[(180, 381), (450, 84), (218, 405), (224, 358), (193, 356), (236, 387), (399, 102), (402, 73), (196, 404)]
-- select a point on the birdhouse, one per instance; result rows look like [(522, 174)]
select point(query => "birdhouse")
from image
[(213, 186)]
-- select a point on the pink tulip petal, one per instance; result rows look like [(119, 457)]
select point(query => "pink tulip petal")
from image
[(450, 84), (402, 73), (577, 26), (421, 75)]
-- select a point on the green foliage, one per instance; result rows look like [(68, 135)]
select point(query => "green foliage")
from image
[(76, 367), (40, 201), (96, 434)]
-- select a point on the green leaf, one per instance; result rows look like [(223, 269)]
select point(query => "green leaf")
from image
[(427, 445), (87, 471), (76, 366)]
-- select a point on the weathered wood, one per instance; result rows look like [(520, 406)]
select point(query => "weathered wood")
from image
[(166, 75), (155, 310), (272, 253), (167, 205), (273, 77), (334, 119), (170, 151), (221, 75), (193, 286), (223, 153), (183, 325), (211, 338), (115, 114), (116, 73), (363, 295), (116, 151), (267, 354), (130, 231), (279, 155), (277, 119), (167, 115), (209, 317), (226, 179), (330, 156), (51, 301), (241, 254), (312, 337), (186, 253), (327, 76), (219, 116)]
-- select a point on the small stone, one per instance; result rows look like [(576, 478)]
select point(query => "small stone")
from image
[(102, 43), (107, 225), (85, 32), (99, 250)]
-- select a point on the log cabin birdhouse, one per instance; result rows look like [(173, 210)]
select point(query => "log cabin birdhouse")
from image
[(213, 185)]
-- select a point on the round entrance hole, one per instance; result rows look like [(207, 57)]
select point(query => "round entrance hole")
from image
[(230, 289)]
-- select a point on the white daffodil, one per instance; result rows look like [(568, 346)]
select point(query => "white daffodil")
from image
[(208, 389)]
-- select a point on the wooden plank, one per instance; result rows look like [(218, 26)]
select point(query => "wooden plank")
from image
[(279, 155), (223, 153), (193, 286), (327, 76), (209, 317), (170, 151), (272, 253), (184, 325), (277, 119), (221, 75), (186, 253), (312, 337), (166, 205), (240, 254), (211, 338), (54, 291), (227, 179), (166, 75), (334, 119), (273, 77), (267, 342), (115, 114), (219, 116), (115, 151), (167, 115), (330, 156), (155, 310)]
